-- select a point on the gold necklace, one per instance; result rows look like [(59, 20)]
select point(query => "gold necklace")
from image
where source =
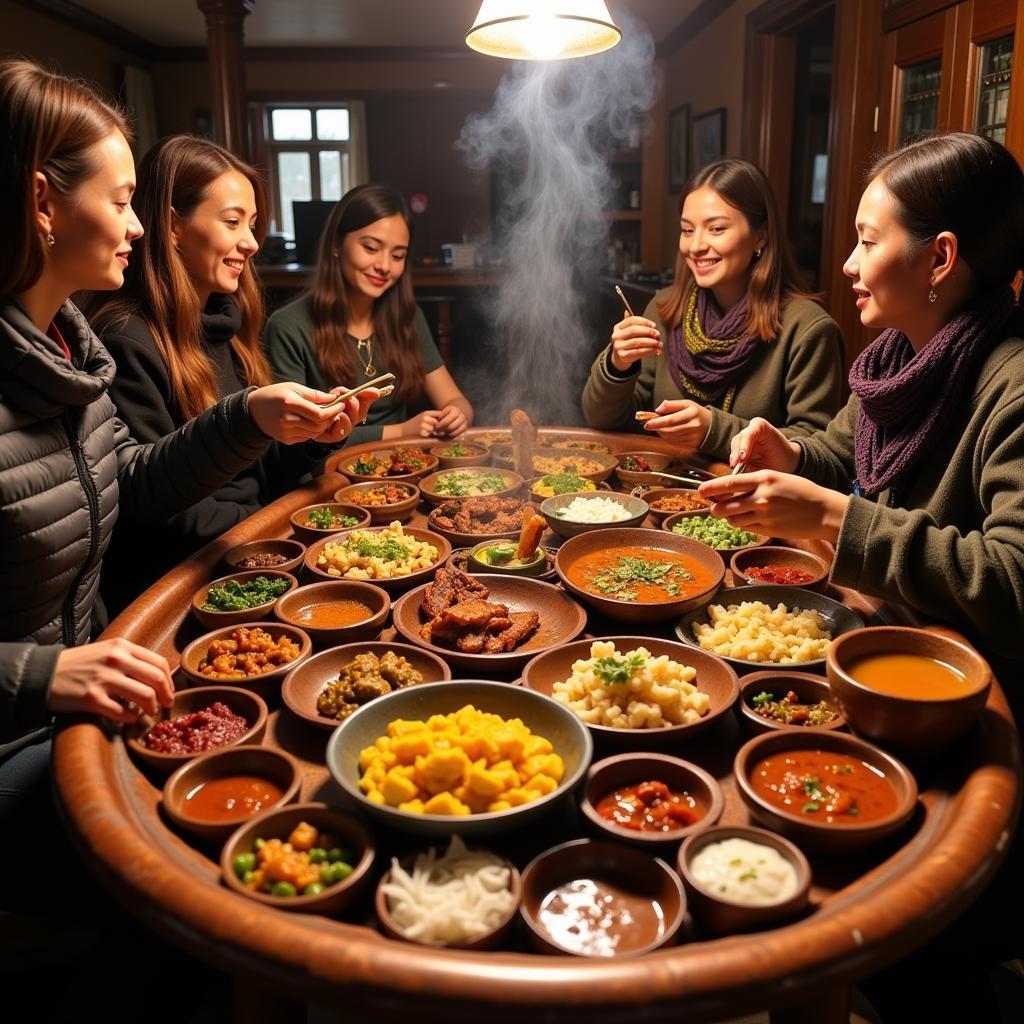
[(364, 349)]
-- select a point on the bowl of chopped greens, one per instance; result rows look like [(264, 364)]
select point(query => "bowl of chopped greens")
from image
[(241, 597), (460, 454), (314, 521), (475, 482), (712, 530)]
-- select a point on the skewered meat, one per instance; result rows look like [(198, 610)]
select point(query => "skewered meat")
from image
[(524, 439)]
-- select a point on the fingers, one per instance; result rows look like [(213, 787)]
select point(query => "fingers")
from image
[(163, 684), (105, 705), (138, 675), (722, 488)]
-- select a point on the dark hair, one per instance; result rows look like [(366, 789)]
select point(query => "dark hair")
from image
[(774, 278), (48, 123), (173, 178), (393, 313), (968, 185)]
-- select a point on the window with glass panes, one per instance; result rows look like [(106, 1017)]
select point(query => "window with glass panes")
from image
[(310, 156), (994, 88), (919, 107)]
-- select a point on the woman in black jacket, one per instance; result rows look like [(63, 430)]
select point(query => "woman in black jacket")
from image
[(67, 463), (184, 332)]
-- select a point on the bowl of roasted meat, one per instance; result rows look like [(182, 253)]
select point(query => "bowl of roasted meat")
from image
[(467, 521)]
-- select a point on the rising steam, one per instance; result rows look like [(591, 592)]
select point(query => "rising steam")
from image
[(545, 140)]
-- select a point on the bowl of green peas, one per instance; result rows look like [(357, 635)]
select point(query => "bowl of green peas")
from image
[(712, 530), (308, 858)]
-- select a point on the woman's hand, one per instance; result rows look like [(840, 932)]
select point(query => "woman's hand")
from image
[(777, 504), (451, 421), (683, 422), (632, 339), (762, 446), (96, 678), (293, 413)]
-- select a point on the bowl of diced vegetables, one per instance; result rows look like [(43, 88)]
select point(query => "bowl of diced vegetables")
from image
[(241, 597), (460, 454), (316, 521), (308, 858), (560, 483), (474, 482), (714, 531)]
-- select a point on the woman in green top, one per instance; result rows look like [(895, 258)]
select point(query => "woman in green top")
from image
[(360, 320), (735, 336)]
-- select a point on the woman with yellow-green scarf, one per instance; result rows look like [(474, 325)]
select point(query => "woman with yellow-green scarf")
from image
[(734, 337)]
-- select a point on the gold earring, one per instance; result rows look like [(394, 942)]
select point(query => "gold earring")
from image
[(933, 295), (50, 240)]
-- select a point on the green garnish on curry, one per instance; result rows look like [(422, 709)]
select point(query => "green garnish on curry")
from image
[(616, 581)]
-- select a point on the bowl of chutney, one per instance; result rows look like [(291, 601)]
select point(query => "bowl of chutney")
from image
[(915, 690), (336, 612), (785, 699), (826, 791), (779, 566)]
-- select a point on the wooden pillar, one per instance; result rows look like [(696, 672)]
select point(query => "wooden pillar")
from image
[(225, 44)]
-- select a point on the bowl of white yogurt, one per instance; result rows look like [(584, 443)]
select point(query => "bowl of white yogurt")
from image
[(741, 879)]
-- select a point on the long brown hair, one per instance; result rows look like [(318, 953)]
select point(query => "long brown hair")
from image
[(48, 123), (774, 277), (393, 313), (173, 178)]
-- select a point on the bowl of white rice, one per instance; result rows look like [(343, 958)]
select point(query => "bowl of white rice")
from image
[(569, 515)]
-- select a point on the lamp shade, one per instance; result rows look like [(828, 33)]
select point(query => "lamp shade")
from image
[(542, 29)]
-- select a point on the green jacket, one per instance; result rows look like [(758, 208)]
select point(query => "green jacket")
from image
[(948, 538), (288, 339), (796, 382)]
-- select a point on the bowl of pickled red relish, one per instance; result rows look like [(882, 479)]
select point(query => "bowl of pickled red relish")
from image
[(650, 799), (201, 719), (785, 567)]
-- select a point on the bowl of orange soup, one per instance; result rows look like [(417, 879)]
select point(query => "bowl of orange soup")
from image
[(639, 575), (911, 689), (336, 612), (826, 791)]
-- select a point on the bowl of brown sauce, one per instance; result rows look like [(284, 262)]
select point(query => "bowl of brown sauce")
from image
[(336, 612)]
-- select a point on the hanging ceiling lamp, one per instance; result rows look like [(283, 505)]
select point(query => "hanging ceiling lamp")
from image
[(542, 29)]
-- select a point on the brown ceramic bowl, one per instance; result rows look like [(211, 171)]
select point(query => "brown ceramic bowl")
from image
[(683, 493), (488, 438), (912, 725), (638, 611), (488, 940), (308, 533), (727, 917), (214, 619), (267, 684), (501, 455), (541, 716), (303, 686), (808, 688), (346, 831), (624, 770), (810, 832), (658, 461), (469, 540), (392, 511), (459, 559), (346, 464), (781, 558), (669, 522), (579, 483), (561, 621), (645, 879), (242, 702), (291, 550), (563, 442), (428, 485), (268, 763), (479, 564), (838, 619), (714, 678), (396, 584), (476, 455), (550, 509), (296, 606)]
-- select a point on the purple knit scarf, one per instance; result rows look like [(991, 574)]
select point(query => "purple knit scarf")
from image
[(907, 398), (713, 371)]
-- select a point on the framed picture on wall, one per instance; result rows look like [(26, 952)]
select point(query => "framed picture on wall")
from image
[(678, 147), (708, 138)]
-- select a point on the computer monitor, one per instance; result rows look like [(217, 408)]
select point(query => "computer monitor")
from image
[(309, 219)]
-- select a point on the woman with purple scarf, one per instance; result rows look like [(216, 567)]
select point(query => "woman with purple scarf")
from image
[(734, 337), (919, 481)]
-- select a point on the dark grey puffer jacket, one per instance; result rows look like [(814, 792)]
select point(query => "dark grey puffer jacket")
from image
[(66, 464)]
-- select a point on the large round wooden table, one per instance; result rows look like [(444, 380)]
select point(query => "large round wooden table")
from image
[(868, 912)]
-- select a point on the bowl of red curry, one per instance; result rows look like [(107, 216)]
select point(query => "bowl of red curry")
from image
[(784, 567)]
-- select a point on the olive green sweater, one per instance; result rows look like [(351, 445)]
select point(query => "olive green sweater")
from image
[(795, 382), (948, 538)]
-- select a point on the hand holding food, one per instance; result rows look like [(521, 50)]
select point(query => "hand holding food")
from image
[(762, 446), (632, 339), (683, 422), (777, 504), (292, 413), (451, 421), (96, 678)]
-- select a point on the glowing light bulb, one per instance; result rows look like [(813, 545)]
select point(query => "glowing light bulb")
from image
[(544, 36)]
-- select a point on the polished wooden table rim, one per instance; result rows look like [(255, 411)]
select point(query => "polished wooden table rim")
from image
[(863, 928)]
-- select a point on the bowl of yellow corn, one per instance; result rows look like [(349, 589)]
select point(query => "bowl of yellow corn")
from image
[(472, 757)]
